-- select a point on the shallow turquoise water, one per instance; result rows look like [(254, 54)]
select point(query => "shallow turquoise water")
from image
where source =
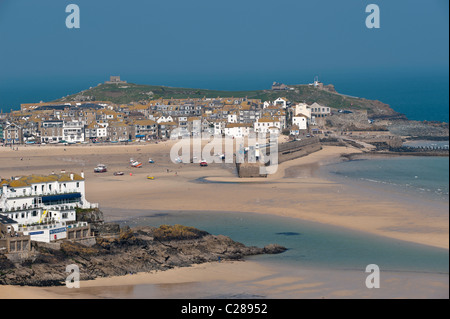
[(310, 244), (421, 176)]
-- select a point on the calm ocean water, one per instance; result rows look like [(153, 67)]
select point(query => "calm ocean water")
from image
[(311, 245), (426, 177)]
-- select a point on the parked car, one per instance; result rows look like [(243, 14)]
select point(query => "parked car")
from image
[(203, 163), (118, 173)]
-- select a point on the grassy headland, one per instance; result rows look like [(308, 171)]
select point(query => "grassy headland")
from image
[(129, 92)]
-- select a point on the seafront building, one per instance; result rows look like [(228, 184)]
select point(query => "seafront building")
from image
[(44, 207)]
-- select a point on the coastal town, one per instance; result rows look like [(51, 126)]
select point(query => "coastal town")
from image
[(41, 211), (102, 121), (217, 157), (87, 120)]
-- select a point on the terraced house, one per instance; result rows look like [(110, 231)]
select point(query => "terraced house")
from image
[(73, 131), (77, 122), (96, 131), (119, 132), (52, 131), (12, 133), (146, 129)]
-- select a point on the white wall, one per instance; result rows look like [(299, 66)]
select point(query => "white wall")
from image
[(300, 121)]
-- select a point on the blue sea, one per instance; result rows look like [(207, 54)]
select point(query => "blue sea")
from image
[(418, 176)]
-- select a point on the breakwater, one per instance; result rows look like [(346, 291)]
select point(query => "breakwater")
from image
[(286, 152)]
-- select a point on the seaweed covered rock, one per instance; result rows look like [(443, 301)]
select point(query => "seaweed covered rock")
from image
[(177, 232), (140, 249)]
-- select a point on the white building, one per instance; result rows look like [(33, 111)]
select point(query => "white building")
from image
[(219, 128), (266, 125), (267, 104), (164, 119), (281, 101), (73, 131), (43, 205), (238, 130), (232, 118), (301, 121), (302, 108)]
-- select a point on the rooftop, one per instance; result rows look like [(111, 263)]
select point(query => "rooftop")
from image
[(25, 181)]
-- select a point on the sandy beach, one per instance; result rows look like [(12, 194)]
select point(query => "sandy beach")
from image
[(244, 279), (296, 190)]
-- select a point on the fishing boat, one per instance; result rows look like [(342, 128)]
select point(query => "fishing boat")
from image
[(101, 168), (135, 164)]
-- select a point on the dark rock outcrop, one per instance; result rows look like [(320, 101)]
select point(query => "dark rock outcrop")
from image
[(135, 250)]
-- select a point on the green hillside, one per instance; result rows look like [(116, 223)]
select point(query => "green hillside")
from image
[(129, 92)]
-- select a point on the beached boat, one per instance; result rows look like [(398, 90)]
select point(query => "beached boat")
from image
[(135, 164), (101, 168)]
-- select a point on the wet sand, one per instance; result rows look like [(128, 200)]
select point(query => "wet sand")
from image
[(246, 279), (296, 190)]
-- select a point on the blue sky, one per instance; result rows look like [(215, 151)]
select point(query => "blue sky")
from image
[(213, 43), (208, 36)]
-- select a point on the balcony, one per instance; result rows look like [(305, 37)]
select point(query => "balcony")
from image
[(37, 194)]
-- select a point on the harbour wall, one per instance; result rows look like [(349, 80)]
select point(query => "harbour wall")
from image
[(286, 152)]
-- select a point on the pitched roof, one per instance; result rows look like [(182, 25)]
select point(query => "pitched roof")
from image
[(231, 125), (267, 120), (144, 122)]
